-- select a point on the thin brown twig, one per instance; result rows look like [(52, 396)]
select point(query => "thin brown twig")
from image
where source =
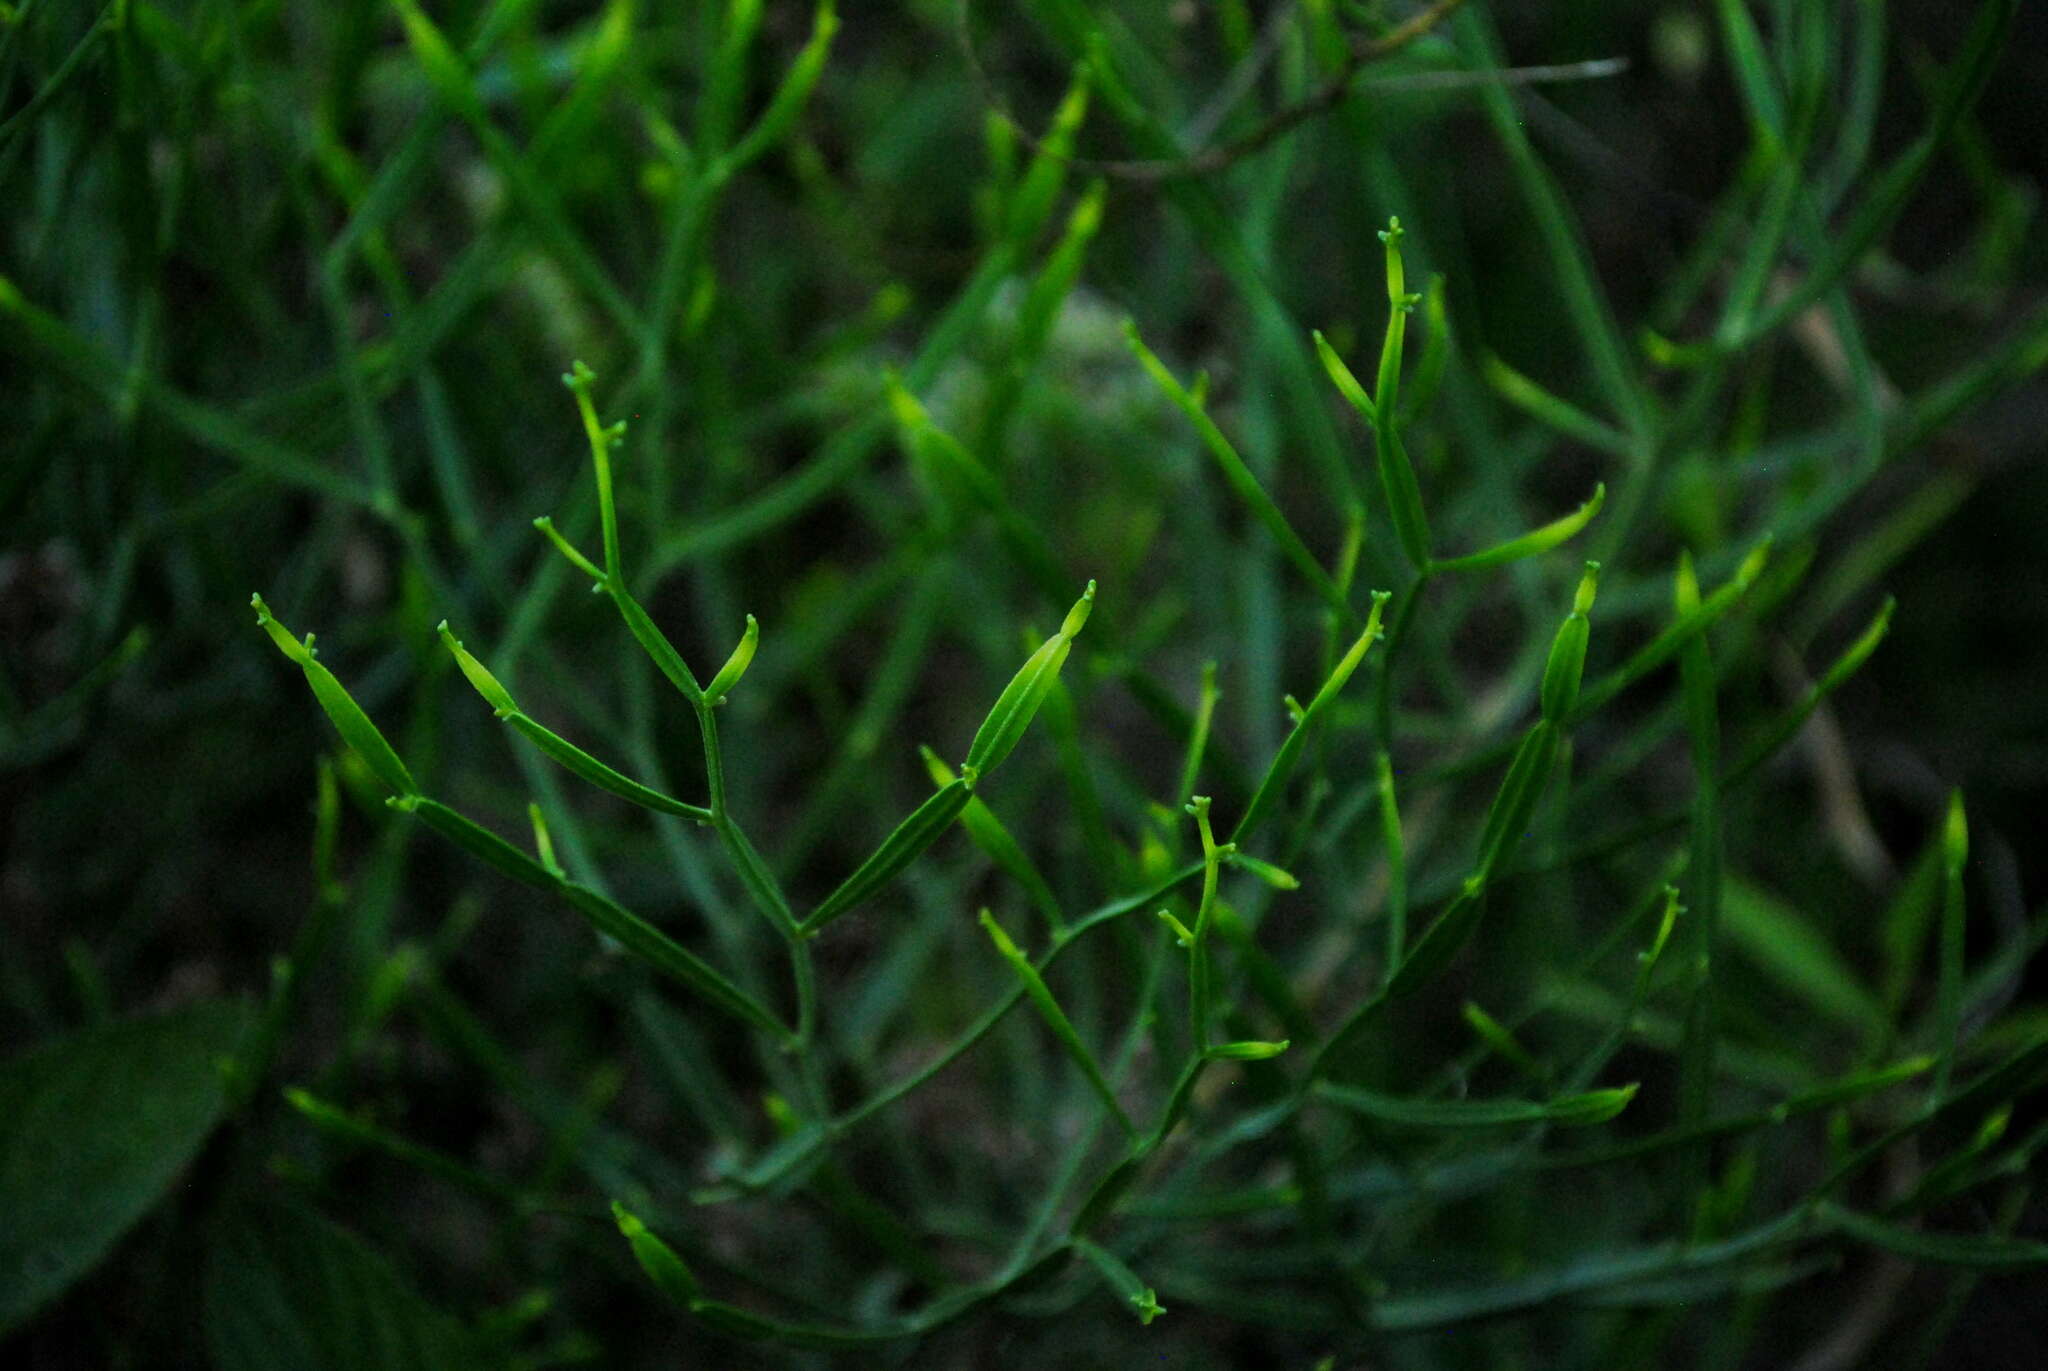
[(1219, 156)]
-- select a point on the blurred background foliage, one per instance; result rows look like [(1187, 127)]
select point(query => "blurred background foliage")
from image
[(281, 308)]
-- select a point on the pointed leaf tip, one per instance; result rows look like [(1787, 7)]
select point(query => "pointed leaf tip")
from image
[(1077, 617)]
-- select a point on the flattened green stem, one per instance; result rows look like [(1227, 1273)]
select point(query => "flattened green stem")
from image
[(1041, 997)]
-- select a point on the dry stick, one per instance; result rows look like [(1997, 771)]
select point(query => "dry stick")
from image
[(1219, 156)]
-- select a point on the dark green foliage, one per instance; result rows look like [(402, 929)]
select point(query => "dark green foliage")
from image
[(1457, 888), (98, 1127)]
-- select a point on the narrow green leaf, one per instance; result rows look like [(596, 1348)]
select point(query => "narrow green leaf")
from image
[(349, 720), (1551, 410), (1239, 477), (478, 841), (581, 763), (1830, 1096), (1893, 188), (1986, 1250), (918, 831), (1800, 958), (657, 646), (1530, 544), (669, 957), (1397, 860), (1341, 377), (1397, 474), (1683, 628), (568, 551), (1782, 728), (671, 1276), (789, 98), (479, 676), (1567, 1111), (565, 753), (1245, 1051), (1567, 661), (642, 939), (736, 665), (443, 66), (1198, 734), (1014, 709), (1264, 870), (1507, 819), (1439, 942), (995, 840), (1041, 997), (1497, 1036), (1436, 351), (580, 379), (1281, 769), (1040, 188), (1955, 851)]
